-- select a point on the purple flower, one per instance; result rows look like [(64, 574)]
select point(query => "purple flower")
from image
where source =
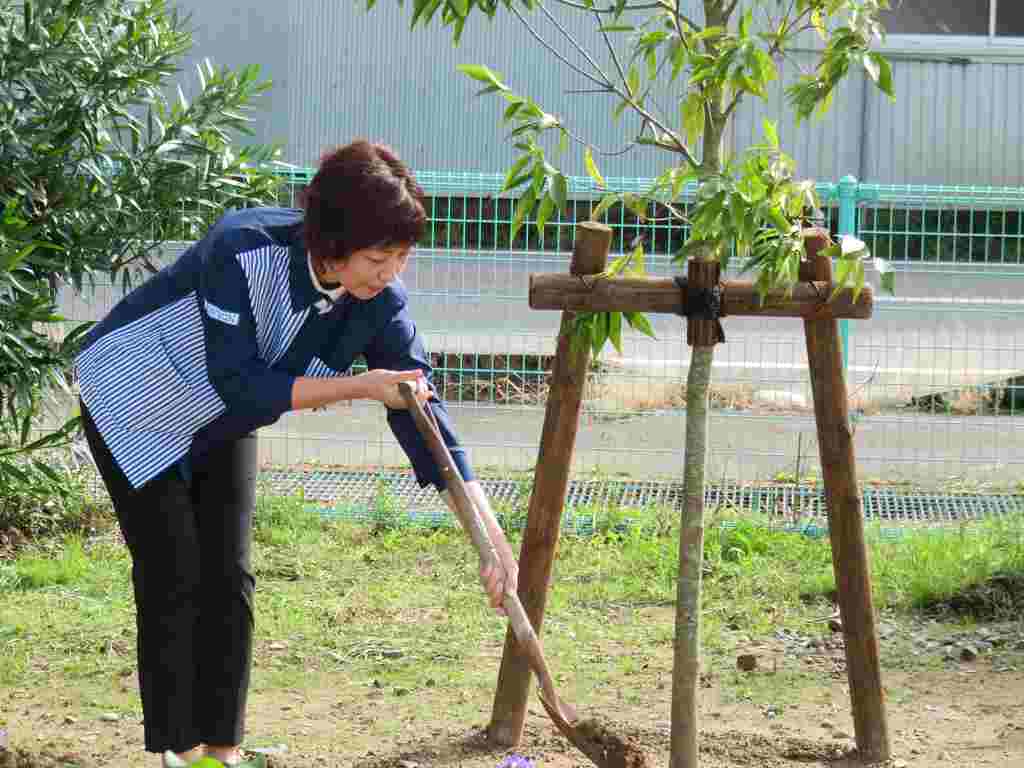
[(516, 761)]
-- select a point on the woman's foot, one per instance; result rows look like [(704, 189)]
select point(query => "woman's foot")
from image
[(183, 759), (226, 755)]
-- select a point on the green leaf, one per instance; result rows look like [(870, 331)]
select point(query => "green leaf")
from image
[(843, 269), (588, 161), (523, 208), (818, 21), (547, 206), (617, 28), (482, 74), (514, 172), (887, 274), (461, 7), (871, 67), (637, 204), (633, 81), (637, 260), (14, 258), (615, 330), (560, 192), (771, 132), (745, 21), (599, 332), (678, 59), (511, 110), (884, 81), (639, 322), (606, 202), (693, 115), (563, 142)]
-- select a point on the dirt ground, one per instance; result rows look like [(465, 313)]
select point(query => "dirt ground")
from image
[(964, 715)]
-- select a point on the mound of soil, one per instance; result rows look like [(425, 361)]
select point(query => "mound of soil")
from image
[(999, 597)]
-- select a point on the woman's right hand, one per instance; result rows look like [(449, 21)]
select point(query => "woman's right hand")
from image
[(382, 385)]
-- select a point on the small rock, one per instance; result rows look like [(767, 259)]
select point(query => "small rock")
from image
[(840, 735), (916, 751), (408, 764), (945, 757), (392, 654), (278, 646), (968, 653), (898, 763), (746, 662), (828, 726), (3, 739), (401, 691), (69, 720), (835, 625), (110, 717)]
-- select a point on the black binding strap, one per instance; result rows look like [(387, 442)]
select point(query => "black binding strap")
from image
[(702, 304)]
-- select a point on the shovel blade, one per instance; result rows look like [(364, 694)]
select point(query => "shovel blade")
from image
[(604, 749)]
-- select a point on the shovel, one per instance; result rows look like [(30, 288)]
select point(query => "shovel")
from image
[(602, 747)]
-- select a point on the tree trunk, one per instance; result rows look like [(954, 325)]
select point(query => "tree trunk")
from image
[(686, 662), (686, 665)]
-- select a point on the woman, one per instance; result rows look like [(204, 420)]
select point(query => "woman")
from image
[(264, 315)]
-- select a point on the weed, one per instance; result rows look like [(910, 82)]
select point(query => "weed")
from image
[(37, 570)]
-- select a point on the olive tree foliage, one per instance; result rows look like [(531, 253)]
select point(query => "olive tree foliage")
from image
[(102, 159)]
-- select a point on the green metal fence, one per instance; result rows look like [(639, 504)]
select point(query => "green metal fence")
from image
[(934, 377)]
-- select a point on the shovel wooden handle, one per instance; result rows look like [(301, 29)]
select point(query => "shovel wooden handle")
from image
[(470, 518)]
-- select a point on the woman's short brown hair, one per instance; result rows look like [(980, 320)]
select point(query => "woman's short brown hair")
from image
[(362, 196)]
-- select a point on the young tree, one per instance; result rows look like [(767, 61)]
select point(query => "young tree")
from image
[(102, 160), (709, 55)]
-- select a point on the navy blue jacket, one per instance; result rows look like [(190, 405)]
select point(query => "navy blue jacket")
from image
[(207, 349)]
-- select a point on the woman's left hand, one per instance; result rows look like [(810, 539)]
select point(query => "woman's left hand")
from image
[(501, 578), (382, 386)]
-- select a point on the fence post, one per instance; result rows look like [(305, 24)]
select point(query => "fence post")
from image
[(848, 188)]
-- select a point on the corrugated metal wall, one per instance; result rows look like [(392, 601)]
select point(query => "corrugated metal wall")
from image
[(340, 72), (950, 124)]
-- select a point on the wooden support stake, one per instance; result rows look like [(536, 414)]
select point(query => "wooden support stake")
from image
[(844, 504), (550, 486), (663, 295)]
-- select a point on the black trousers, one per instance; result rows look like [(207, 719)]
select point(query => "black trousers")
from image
[(193, 582)]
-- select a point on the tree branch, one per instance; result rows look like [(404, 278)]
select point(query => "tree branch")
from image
[(774, 50), (677, 145), (554, 52), (610, 8), (611, 50), (573, 41)]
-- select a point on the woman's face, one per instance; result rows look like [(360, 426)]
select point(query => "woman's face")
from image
[(367, 272)]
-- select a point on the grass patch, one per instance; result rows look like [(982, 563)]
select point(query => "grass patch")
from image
[(399, 610), (38, 569)]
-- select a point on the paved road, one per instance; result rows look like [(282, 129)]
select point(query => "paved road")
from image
[(916, 448), (923, 341)]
